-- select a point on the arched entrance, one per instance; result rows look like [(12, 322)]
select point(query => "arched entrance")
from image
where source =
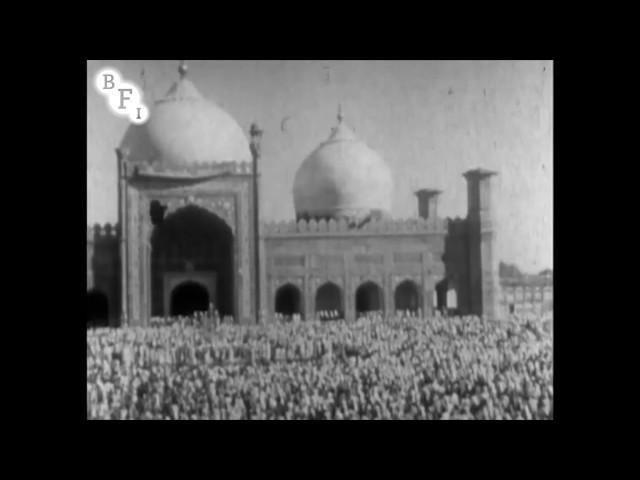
[(288, 300), (369, 298), (447, 297), (329, 299), (97, 309), (192, 239), (189, 297), (441, 295), (407, 297)]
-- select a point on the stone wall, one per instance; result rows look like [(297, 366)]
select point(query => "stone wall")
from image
[(350, 258), (103, 265), (532, 294)]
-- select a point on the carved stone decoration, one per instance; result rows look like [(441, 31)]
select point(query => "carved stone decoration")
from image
[(220, 205), (368, 278), (398, 279), (281, 281), (321, 280)]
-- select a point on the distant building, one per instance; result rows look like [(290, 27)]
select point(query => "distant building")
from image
[(186, 235), (527, 293)]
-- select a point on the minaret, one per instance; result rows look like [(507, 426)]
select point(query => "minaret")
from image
[(483, 265), (256, 137), (123, 218)]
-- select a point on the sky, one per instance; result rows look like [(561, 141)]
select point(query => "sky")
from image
[(430, 120)]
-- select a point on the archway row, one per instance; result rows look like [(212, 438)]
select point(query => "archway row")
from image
[(329, 299)]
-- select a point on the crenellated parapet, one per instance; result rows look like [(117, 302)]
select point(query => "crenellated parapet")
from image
[(341, 227), (159, 169), (457, 226), (103, 233)]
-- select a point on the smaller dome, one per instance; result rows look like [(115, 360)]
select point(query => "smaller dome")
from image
[(343, 178)]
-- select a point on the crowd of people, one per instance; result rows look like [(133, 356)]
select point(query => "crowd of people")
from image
[(395, 367), (328, 315), (286, 317)]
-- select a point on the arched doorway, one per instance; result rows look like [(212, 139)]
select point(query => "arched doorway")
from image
[(447, 297), (194, 239), (407, 297), (369, 298), (441, 295), (189, 297), (329, 299), (97, 309), (288, 300)]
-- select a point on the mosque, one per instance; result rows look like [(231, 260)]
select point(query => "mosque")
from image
[(189, 232)]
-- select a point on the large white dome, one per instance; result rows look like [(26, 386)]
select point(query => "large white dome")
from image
[(186, 129), (343, 178)]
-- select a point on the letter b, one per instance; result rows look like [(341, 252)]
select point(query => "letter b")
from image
[(107, 81)]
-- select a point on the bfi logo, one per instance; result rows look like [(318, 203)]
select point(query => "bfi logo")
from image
[(124, 98)]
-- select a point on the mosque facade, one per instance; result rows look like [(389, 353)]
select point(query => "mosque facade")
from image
[(189, 232)]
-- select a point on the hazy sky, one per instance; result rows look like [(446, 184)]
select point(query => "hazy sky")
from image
[(431, 121)]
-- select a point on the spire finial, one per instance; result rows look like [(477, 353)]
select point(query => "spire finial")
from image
[(182, 69), (143, 78), (340, 117)]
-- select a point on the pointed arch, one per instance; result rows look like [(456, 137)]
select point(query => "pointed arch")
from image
[(407, 296), (193, 238), (369, 298), (329, 297), (288, 300)]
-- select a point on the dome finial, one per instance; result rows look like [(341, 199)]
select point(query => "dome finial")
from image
[(143, 79), (340, 117), (182, 69)]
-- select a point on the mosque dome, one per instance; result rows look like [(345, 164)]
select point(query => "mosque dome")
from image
[(185, 129), (343, 178)]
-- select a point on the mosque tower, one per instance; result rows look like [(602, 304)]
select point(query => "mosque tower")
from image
[(185, 200), (483, 265)]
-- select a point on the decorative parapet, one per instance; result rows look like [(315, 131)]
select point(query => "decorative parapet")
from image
[(97, 232), (341, 227), (526, 281), (195, 170)]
